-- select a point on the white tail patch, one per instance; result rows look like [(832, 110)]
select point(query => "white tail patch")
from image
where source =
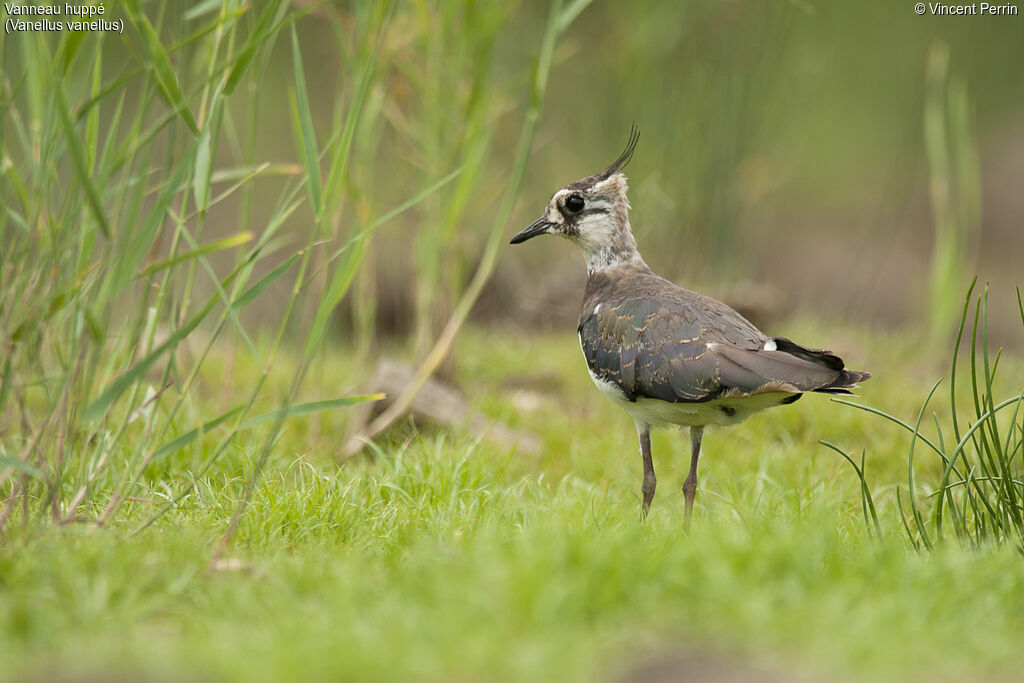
[(770, 345)]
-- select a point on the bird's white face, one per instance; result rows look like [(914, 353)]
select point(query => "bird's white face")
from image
[(589, 216), (593, 216)]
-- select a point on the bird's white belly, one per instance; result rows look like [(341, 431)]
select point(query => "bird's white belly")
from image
[(657, 413)]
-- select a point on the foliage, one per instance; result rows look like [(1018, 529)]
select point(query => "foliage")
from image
[(112, 300), (979, 492)]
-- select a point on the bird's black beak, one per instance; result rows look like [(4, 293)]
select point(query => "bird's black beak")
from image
[(538, 227)]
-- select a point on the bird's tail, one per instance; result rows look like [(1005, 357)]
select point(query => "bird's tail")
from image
[(847, 379)]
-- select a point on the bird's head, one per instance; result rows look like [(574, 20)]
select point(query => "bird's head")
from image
[(593, 213)]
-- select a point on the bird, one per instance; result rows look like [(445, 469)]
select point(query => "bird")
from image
[(667, 355)]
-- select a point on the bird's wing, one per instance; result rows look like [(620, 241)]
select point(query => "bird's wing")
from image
[(679, 346)]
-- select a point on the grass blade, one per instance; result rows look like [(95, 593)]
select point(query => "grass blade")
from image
[(867, 503), (253, 292), (307, 408), (188, 437), (307, 135), (284, 413), (160, 63), (81, 170), (918, 518), (891, 418), (257, 39), (226, 243)]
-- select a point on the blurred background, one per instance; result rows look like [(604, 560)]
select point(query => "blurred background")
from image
[(855, 161), (827, 154)]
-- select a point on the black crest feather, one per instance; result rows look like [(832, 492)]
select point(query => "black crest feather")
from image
[(627, 154), (617, 165)]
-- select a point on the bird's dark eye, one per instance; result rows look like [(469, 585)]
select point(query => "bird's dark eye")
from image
[(574, 203)]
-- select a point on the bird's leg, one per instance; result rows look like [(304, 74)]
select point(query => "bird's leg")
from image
[(650, 481), (690, 485)]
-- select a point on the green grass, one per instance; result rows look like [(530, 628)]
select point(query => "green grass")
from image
[(449, 558), (192, 219), (980, 453)]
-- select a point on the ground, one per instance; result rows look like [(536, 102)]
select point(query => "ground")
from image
[(446, 557)]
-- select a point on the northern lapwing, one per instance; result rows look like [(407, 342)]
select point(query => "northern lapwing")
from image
[(666, 355)]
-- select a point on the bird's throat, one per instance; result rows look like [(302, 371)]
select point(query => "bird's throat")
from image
[(605, 258), (609, 246)]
